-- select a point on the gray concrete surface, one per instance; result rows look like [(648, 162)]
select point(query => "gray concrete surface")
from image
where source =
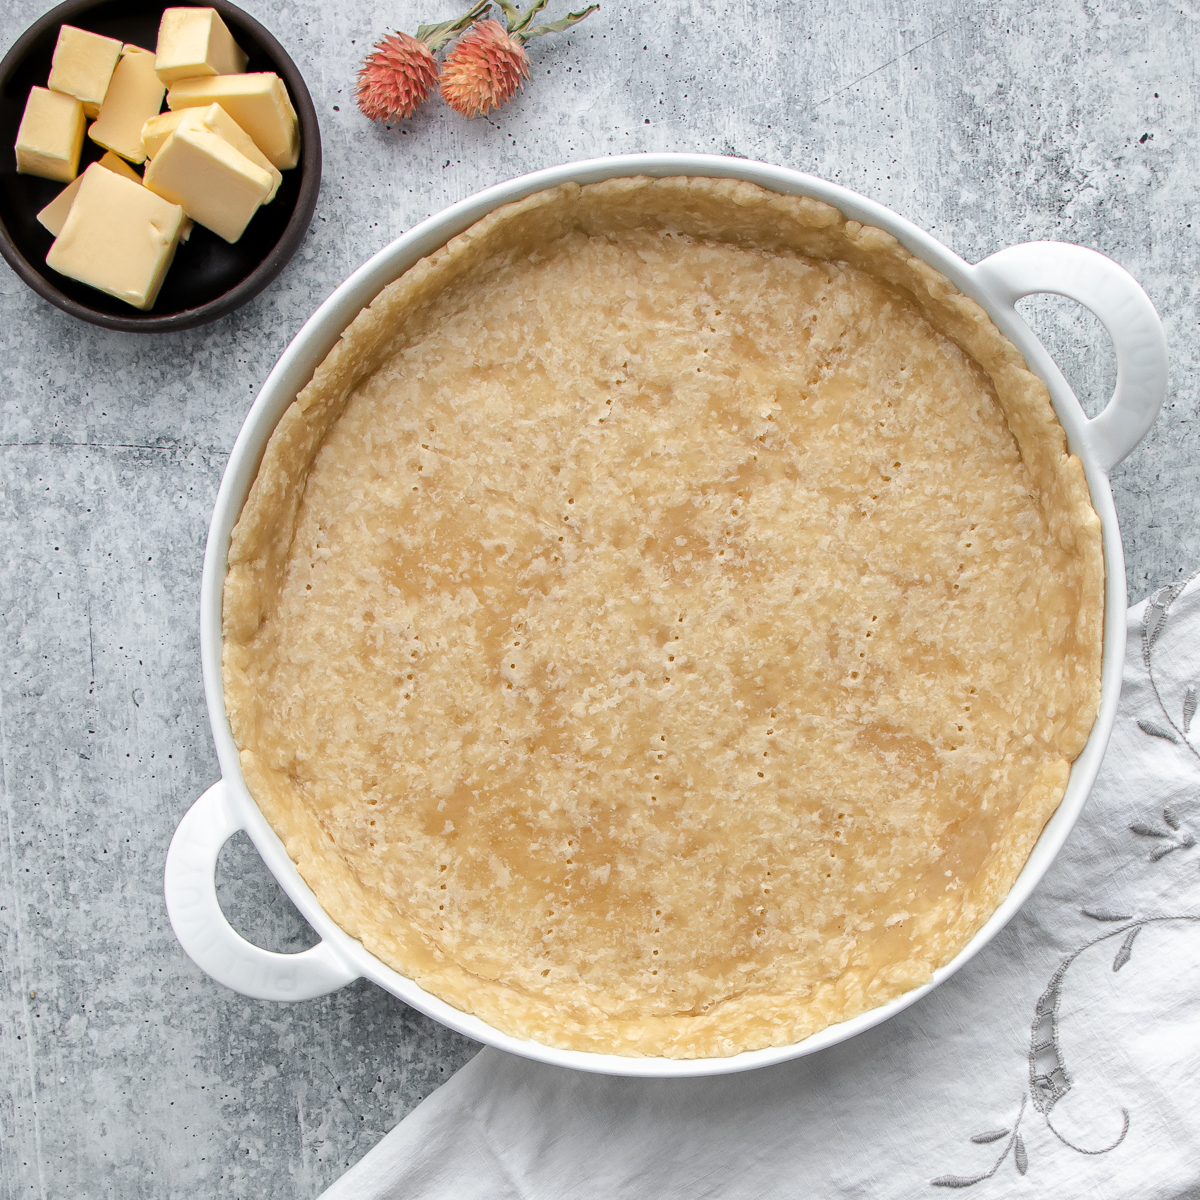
[(124, 1072)]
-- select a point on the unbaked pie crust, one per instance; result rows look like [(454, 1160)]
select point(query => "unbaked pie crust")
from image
[(666, 621)]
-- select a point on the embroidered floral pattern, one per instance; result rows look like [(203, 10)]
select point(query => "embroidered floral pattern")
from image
[(1049, 1078), (1171, 836), (1015, 1144), (1154, 621)]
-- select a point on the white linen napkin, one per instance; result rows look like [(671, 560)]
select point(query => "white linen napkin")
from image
[(1062, 1061)]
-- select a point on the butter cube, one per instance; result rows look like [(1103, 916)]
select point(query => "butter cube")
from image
[(51, 136), (134, 96), (160, 127), (217, 186), (216, 120), (119, 237), (54, 215), (82, 66), (195, 41), (258, 102)]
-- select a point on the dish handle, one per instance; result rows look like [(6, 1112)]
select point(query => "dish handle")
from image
[(211, 942), (1124, 309)]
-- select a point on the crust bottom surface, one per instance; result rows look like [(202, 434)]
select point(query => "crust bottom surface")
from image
[(666, 621)]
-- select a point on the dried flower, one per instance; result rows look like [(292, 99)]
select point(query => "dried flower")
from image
[(396, 77), (487, 65), (400, 72)]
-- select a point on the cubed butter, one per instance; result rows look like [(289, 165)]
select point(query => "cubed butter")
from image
[(83, 65), (54, 215), (195, 41), (217, 186), (156, 130), (258, 102), (119, 237), (216, 120), (134, 96), (114, 162), (51, 135)]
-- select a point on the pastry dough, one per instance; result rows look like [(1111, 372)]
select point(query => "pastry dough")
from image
[(666, 620)]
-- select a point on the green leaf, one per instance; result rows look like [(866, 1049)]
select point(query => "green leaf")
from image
[(436, 36), (531, 12), (558, 26), (511, 16)]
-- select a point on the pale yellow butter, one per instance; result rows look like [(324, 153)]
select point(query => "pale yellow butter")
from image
[(119, 237), (195, 41), (216, 120), (54, 215), (134, 96), (216, 185), (83, 66), (51, 135), (258, 102), (160, 127)]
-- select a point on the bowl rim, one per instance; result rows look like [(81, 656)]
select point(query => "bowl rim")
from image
[(276, 259), (310, 346)]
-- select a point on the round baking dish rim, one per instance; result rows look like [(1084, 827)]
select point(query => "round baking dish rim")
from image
[(994, 290)]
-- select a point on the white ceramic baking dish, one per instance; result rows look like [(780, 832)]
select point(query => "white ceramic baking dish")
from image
[(997, 283)]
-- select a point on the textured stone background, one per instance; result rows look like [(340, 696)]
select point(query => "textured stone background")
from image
[(124, 1071)]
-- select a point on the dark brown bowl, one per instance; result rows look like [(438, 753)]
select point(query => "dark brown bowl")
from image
[(209, 277)]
